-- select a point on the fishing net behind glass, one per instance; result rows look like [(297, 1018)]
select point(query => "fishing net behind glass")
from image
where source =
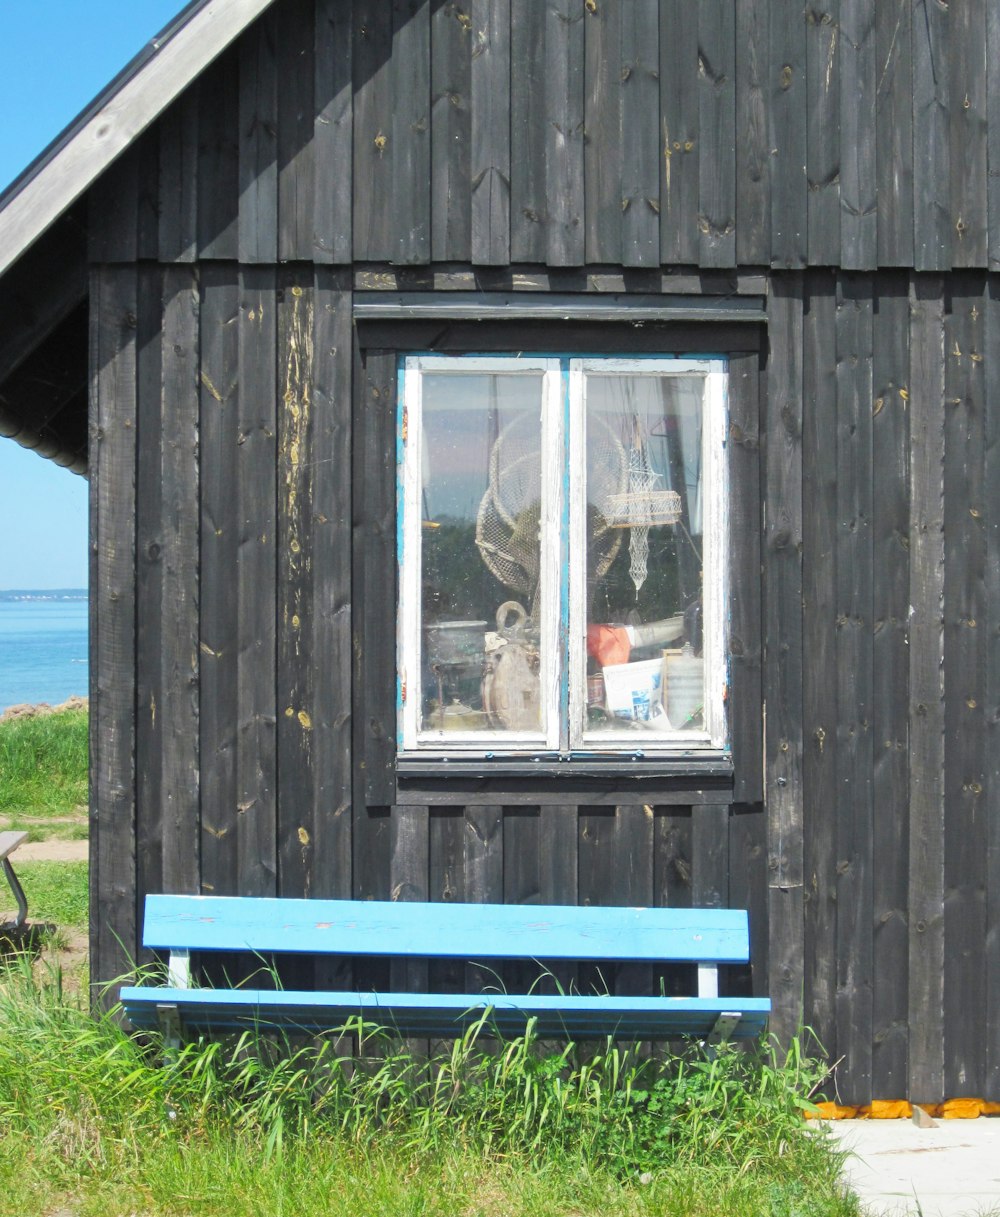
[(507, 525)]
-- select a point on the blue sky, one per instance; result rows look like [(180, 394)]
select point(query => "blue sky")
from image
[(54, 58)]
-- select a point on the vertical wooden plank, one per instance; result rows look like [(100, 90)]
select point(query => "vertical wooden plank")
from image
[(374, 579), (411, 130), (447, 875), (179, 586), (521, 829), (256, 586), (993, 135), (564, 132), (679, 114), (219, 553), (373, 562), (967, 136), (333, 108), (491, 152), (529, 204), (745, 592), (640, 96), (147, 150), (409, 878), (991, 626), (819, 682), (748, 890), (926, 709), (673, 869), (783, 655), (330, 533), (965, 798), (890, 784), (753, 148), (858, 177), (484, 854), (616, 868), (149, 585), (451, 132), (373, 103), (371, 839), (789, 103), (823, 164), (114, 937), (258, 151), (540, 848), (483, 879), (604, 98), (179, 179), (295, 58), (710, 856), (932, 235), (672, 858), (296, 673), (113, 211), (717, 124), (894, 132), (854, 763), (219, 158)]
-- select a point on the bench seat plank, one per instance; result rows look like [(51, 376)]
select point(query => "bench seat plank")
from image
[(444, 1014), (10, 839), (465, 931)]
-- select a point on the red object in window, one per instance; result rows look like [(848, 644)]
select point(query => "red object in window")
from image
[(608, 644)]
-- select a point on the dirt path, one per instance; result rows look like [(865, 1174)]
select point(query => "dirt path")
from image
[(51, 851)]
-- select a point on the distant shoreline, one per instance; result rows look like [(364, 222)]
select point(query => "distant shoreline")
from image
[(35, 595)]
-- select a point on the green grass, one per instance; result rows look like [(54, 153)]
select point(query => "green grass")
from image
[(93, 1122), (56, 892), (43, 767)]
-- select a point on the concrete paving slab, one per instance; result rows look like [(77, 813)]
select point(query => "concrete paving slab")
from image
[(951, 1170)]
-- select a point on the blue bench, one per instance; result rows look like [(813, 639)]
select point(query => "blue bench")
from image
[(466, 932)]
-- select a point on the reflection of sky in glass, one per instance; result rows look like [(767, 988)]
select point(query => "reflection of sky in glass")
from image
[(463, 415)]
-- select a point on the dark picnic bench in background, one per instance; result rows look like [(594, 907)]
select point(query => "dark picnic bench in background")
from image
[(9, 841), (469, 932)]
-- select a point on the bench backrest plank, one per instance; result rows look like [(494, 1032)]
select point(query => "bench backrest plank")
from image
[(464, 931)]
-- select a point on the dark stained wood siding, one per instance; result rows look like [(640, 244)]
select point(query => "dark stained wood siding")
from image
[(626, 132), (242, 441)]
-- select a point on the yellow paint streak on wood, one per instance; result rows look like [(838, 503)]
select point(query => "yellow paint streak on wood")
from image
[(206, 381), (297, 398)]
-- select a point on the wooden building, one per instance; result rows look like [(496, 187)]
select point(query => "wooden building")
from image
[(271, 222)]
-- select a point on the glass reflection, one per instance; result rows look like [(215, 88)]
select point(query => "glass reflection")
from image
[(645, 667), (480, 581)]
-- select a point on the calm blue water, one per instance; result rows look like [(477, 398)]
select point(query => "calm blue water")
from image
[(43, 651)]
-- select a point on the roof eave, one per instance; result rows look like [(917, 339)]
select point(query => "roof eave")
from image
[(159, 74)]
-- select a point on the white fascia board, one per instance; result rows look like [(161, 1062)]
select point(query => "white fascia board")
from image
[(122, 118)]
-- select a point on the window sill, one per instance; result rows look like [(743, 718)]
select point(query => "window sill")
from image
[(691, 777)]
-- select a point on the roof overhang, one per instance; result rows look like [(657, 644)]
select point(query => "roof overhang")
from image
[(116, 117)]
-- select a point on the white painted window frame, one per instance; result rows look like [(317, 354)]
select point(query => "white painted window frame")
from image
[(563, 524)]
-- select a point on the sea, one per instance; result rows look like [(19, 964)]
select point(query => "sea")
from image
[(43, 646)]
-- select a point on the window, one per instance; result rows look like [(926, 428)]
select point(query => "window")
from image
[(562, 555)]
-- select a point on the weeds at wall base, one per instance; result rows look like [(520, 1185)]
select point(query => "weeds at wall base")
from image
[(89, 1111)]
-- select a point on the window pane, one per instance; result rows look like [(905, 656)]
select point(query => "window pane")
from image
[(481, 590), (644, 560)]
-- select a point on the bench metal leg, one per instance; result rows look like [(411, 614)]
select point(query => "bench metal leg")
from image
[(170, 1028), (725, 1025), (19, 896)]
